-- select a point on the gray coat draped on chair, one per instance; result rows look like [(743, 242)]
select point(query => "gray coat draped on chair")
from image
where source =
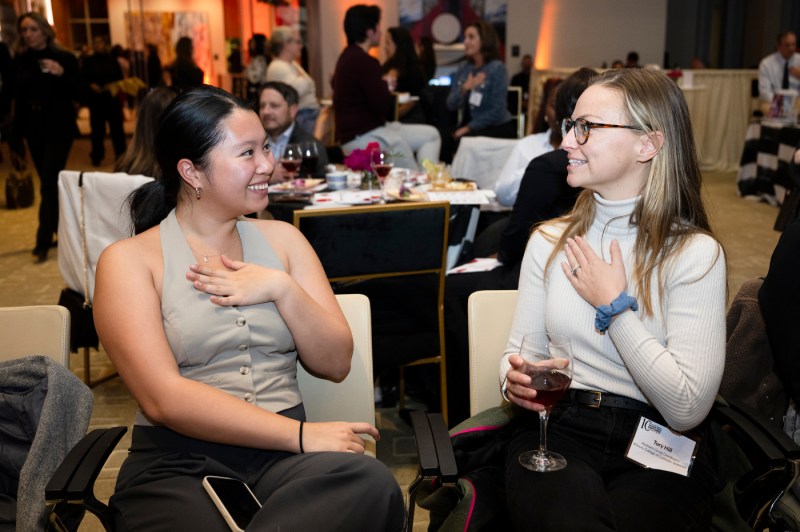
[(44, 412)]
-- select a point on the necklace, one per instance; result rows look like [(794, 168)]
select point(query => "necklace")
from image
[(206, 256)]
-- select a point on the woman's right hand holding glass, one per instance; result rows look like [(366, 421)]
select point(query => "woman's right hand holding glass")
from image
[(518, 386), (339, 436)]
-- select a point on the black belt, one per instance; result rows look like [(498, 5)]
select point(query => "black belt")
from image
[(594, 399)]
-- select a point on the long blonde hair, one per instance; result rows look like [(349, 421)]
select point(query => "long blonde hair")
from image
[(670, 209)]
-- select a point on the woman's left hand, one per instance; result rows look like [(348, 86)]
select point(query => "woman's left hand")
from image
[(243, 284), (595, 280), (50, 66)]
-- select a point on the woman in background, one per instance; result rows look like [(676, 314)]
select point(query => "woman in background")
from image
[(46, 85), (140, 156), (287, 45), (405, 71), (184, 72), (479, 87)]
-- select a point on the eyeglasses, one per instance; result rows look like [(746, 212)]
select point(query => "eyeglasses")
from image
[(583, 127)]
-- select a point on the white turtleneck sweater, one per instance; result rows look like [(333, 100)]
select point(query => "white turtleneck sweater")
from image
[(672, 360)]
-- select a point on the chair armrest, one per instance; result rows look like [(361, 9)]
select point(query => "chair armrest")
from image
[(778, 438), (75, 477), (435, 451), (70, 491)]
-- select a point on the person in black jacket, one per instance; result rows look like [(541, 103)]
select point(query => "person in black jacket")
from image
[(100, 70), (46, 84), (543, 194)]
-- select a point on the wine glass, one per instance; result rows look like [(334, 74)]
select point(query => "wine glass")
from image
[(310, 158), (381, 162), (291, 160), (548, 361)]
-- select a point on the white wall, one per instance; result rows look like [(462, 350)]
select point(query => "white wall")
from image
[(216, 23), (590, 32)]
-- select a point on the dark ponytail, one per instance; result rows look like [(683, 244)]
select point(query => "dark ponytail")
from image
[(189, 128)]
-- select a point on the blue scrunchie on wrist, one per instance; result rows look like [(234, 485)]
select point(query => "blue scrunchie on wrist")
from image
[(605, 312)]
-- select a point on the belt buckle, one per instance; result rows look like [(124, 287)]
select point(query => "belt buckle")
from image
[(597, 397)]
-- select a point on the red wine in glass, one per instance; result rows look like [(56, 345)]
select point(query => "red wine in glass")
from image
[(550, 385), (382, 170), (381, 163), (548, 361), (309, 165), (291, 159), (290, 165)]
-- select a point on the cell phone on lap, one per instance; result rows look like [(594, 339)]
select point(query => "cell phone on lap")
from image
[(234, 499)]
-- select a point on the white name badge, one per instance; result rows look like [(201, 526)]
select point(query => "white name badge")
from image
[(475, 98), (658, 447)]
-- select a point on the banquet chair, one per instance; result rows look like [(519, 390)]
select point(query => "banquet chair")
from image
[(93, 214), (757, 462), (396, 255), (35, 330), (69, 493)]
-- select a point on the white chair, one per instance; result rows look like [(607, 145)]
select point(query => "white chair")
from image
[(35, 330), (481, 159), (353, 399), (489, 317), (93, 214)]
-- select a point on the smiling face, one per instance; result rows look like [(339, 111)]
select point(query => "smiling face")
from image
[(275, 113), (612, 162), (33, 35), (472, 43), (239, 167)]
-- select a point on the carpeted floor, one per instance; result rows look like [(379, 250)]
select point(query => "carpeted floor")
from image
[(744, 227)]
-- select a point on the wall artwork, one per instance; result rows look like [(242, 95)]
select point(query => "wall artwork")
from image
[(164, 28), (445, 20)]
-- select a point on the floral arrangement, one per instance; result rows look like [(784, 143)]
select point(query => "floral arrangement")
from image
[(359, 160), (675, 74)]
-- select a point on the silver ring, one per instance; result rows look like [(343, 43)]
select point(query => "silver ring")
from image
[(575, 270)]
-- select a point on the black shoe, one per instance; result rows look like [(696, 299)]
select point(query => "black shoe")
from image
[(41, 256)]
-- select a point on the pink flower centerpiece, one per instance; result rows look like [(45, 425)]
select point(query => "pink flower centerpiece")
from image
[(359, 159)]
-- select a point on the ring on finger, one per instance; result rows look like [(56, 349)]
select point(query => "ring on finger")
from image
[(574, 270)]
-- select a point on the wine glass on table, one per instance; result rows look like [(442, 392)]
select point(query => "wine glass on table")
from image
[(291, 159), (381, 163), (548, 362), (310, 159)]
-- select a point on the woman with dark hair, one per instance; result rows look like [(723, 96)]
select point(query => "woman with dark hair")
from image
[(427, 57), (404, 69), (140, 157), (256, 71), (480, 87), (46, 84), (184, 72), (205, 315)]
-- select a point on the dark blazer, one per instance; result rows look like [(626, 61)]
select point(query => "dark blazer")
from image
[(300, 135), (543, 194)]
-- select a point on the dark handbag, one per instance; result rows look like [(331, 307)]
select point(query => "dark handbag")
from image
[(82, 331), (19, 190), (19, 185)]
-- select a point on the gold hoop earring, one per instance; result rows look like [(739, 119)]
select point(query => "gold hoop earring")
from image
[(197, 192)]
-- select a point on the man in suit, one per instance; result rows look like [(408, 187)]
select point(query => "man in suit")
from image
[(277, 108)]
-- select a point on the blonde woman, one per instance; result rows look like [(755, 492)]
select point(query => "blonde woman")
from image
[(287, 45), (635, 278)]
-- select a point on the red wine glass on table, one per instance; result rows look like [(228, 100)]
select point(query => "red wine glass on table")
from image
[(548, 362), (291, 159), (381, 163), (310, 159)]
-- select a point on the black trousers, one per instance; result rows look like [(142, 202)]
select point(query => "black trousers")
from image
[(600, 489), (49, 151), (105, 108), (160, 487)]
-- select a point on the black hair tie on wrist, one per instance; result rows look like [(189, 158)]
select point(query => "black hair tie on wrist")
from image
[(302, 451)]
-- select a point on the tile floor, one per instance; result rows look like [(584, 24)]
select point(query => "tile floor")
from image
[(744, 227)]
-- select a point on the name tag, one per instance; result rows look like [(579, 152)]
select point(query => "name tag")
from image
[(475, 98), (658, 447)]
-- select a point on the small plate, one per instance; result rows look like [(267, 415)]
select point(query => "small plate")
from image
[(296, 185)]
